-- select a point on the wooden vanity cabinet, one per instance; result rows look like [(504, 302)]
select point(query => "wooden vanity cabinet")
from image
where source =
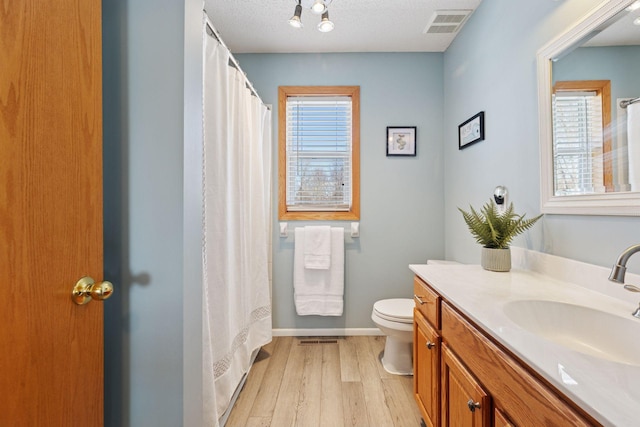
[(514, 391), (468, 370)]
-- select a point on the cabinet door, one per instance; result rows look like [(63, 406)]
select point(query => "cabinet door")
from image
[(464, 402), (426, 369)]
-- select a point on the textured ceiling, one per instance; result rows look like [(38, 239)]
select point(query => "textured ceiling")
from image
[(259, 26)]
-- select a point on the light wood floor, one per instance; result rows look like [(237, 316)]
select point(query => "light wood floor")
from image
[(340, 383)]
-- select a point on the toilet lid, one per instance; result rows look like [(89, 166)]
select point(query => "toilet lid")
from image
[(396, 309)]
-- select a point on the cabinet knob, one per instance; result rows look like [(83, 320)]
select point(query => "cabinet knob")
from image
[(430, 345), (418, 299), (473, 405)]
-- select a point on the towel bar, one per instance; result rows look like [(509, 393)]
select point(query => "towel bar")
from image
[(354, 229)]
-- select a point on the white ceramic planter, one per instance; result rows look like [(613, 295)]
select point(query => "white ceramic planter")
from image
[(496, 259)]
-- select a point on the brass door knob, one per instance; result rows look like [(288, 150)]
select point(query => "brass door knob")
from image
[(87, 289)]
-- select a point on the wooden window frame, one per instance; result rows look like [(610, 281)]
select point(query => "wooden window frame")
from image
[(290, 91), (603, 89)]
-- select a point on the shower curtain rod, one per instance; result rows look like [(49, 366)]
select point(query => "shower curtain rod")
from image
[(626, 103), (234, 63)]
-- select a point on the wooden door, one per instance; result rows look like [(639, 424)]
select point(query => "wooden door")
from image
[(426, 370), (464, 402), (51, 355)]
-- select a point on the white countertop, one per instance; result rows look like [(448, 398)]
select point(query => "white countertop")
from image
[(608, 391)]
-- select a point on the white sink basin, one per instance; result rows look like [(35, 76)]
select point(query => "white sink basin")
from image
[(582, 329)]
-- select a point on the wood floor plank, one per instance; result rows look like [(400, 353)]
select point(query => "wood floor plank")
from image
[(372, 385), (288, 396), (407, 385), (377, 345), (401, 409), (265, 401), (354, 404), (349, 370), (258, 422), (331, 404), (242, 408), (310, 397)]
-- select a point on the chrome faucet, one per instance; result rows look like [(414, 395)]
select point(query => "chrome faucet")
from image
[(620, 268)]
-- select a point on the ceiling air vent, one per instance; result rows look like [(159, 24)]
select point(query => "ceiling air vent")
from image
[(446, 21)]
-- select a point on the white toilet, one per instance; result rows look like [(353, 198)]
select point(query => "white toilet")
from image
[(394, 317)]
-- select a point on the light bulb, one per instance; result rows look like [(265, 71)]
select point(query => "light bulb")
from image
[(295, 21), (318, 7), (325, 25)]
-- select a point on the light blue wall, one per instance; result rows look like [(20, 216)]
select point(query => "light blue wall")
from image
[(620, 64), (401, 198), (491, 67), (146, 241)]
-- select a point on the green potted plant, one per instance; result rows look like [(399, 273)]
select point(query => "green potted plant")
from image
[(495, 230)]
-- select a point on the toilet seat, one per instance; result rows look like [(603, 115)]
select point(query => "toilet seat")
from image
[(395, 310)]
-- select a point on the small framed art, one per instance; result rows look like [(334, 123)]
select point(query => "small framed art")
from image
[(471, 131), (401, 141)]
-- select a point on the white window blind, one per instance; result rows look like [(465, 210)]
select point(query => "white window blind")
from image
[(318, 153), (577, 143)]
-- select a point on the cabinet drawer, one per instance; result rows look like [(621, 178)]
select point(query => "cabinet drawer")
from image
[(524, 398), (427, 302)]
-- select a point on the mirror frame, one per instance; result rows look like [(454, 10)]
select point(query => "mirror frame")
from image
[(621, 203)]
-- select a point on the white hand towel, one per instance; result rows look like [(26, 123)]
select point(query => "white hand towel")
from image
[(317, 247), (319, 292)]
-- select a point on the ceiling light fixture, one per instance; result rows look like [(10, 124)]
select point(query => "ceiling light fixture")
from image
[(295, 21), (318, 7), (325, 25)]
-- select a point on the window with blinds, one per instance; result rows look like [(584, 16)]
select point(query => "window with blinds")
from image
[(578, 143), (318, 153), (319, 141)]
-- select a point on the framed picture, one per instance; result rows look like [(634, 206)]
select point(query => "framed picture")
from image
[(471, 131), (401, 141)]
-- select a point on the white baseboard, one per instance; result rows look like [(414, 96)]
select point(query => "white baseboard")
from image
[(335, 332)]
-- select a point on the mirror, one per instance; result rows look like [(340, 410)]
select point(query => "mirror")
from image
[(583, 75)]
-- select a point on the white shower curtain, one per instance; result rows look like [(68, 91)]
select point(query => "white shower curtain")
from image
[(237, 224), (633, 144)]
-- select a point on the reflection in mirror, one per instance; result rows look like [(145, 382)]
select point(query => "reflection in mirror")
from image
[(582, 152), (588, 81)]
